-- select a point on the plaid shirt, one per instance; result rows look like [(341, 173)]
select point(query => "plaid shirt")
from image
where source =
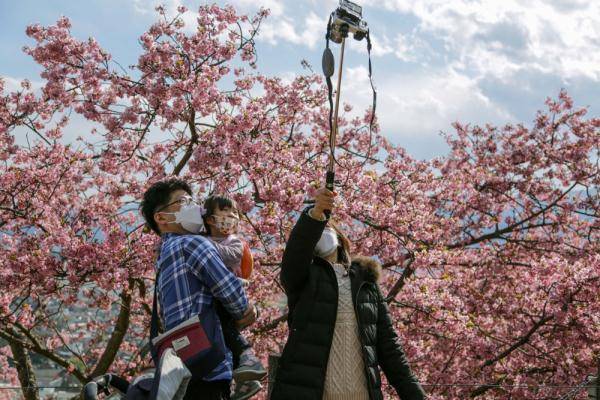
[(192, 275)]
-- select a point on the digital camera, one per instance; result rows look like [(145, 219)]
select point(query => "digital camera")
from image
[(347, 18)]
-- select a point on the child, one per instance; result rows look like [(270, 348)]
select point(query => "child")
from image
[(221, 219)]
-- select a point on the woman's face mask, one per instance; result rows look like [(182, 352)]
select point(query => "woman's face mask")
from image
[(327, 244)]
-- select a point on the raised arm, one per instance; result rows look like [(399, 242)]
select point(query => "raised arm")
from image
[(300, 246)]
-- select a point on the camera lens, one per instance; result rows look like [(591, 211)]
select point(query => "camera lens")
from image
[(359, 35), (344, 29)]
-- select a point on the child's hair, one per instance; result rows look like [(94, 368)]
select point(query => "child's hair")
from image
[(214, 203)]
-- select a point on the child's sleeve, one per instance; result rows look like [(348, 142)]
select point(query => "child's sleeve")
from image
[(231, 251)]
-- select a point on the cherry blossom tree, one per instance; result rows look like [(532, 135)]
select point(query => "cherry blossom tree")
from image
[(491, 252)]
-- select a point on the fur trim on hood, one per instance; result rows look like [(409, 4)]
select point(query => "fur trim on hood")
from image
[(367, 268)]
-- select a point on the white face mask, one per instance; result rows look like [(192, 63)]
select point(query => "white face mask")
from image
[(190, 217), (327, 244)]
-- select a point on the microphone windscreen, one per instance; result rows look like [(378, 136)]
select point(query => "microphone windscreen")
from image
[(328, 62)]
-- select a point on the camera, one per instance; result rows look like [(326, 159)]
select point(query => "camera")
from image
[(347, 18)]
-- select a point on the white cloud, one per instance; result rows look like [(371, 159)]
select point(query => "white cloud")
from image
[(275, 6), (286, 29), (411, 48), (282, 25), (560, 36), (496, 38), (422, 103)]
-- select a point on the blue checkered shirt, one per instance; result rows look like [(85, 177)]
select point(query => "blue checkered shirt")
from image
[(192, 275)]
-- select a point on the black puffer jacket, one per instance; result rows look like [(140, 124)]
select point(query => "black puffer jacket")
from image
[(312, 291)]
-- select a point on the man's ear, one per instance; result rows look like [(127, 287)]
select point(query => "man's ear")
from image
[(160, 218)]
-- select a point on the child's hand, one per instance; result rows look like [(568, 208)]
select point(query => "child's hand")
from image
[(237, 271), (249, 317)]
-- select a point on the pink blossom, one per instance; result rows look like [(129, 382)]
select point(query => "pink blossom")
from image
[(491, 246)]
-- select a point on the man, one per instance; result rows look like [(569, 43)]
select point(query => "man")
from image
[(192, 275)]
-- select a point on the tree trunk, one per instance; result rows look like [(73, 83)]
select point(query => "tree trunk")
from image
[(25, 371), (116, 338)]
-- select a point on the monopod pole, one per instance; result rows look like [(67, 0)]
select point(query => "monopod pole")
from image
[(330, 178)]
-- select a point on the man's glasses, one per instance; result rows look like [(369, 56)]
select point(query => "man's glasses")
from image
[(183, 201)]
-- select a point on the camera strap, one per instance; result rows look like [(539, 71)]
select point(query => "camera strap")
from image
[(369, 46), (372, 121)]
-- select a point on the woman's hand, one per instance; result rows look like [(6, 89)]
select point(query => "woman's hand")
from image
[(324, 200)]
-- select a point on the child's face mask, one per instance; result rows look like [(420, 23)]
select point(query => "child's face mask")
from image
[(226, 224)]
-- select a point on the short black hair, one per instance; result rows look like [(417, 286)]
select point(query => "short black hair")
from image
[(158, 195), (212, 203)]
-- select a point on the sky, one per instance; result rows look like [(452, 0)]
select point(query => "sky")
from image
[(434, 61)]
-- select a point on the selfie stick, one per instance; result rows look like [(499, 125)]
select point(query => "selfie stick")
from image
[(328, 68), (333, 134)]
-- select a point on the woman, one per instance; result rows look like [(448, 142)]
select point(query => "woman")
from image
[(340, 328)]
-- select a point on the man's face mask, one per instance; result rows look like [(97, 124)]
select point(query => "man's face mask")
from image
[(226, 224), (327, 244), (189, 215)]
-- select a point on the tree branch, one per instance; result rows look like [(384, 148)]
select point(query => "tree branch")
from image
[(524, 339), (509, 228), (116, 338), (25, 371), (36, 347), (193, 141), (271, 325), (407, 273)]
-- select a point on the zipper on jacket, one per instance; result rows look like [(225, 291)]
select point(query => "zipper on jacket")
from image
[(362, 343), (337, 289)]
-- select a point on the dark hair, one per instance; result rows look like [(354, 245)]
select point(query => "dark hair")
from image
[(158, 195), (343, 250), (212, 203)]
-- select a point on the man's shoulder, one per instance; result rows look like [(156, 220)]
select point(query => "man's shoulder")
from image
[(187, 244), (188, 240)]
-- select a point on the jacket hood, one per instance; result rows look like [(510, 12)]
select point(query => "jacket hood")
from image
[(366, 268)]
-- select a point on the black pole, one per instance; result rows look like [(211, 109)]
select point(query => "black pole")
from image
[(330, 177)]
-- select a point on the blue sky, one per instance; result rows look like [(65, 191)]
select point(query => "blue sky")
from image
[(435, 61)]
